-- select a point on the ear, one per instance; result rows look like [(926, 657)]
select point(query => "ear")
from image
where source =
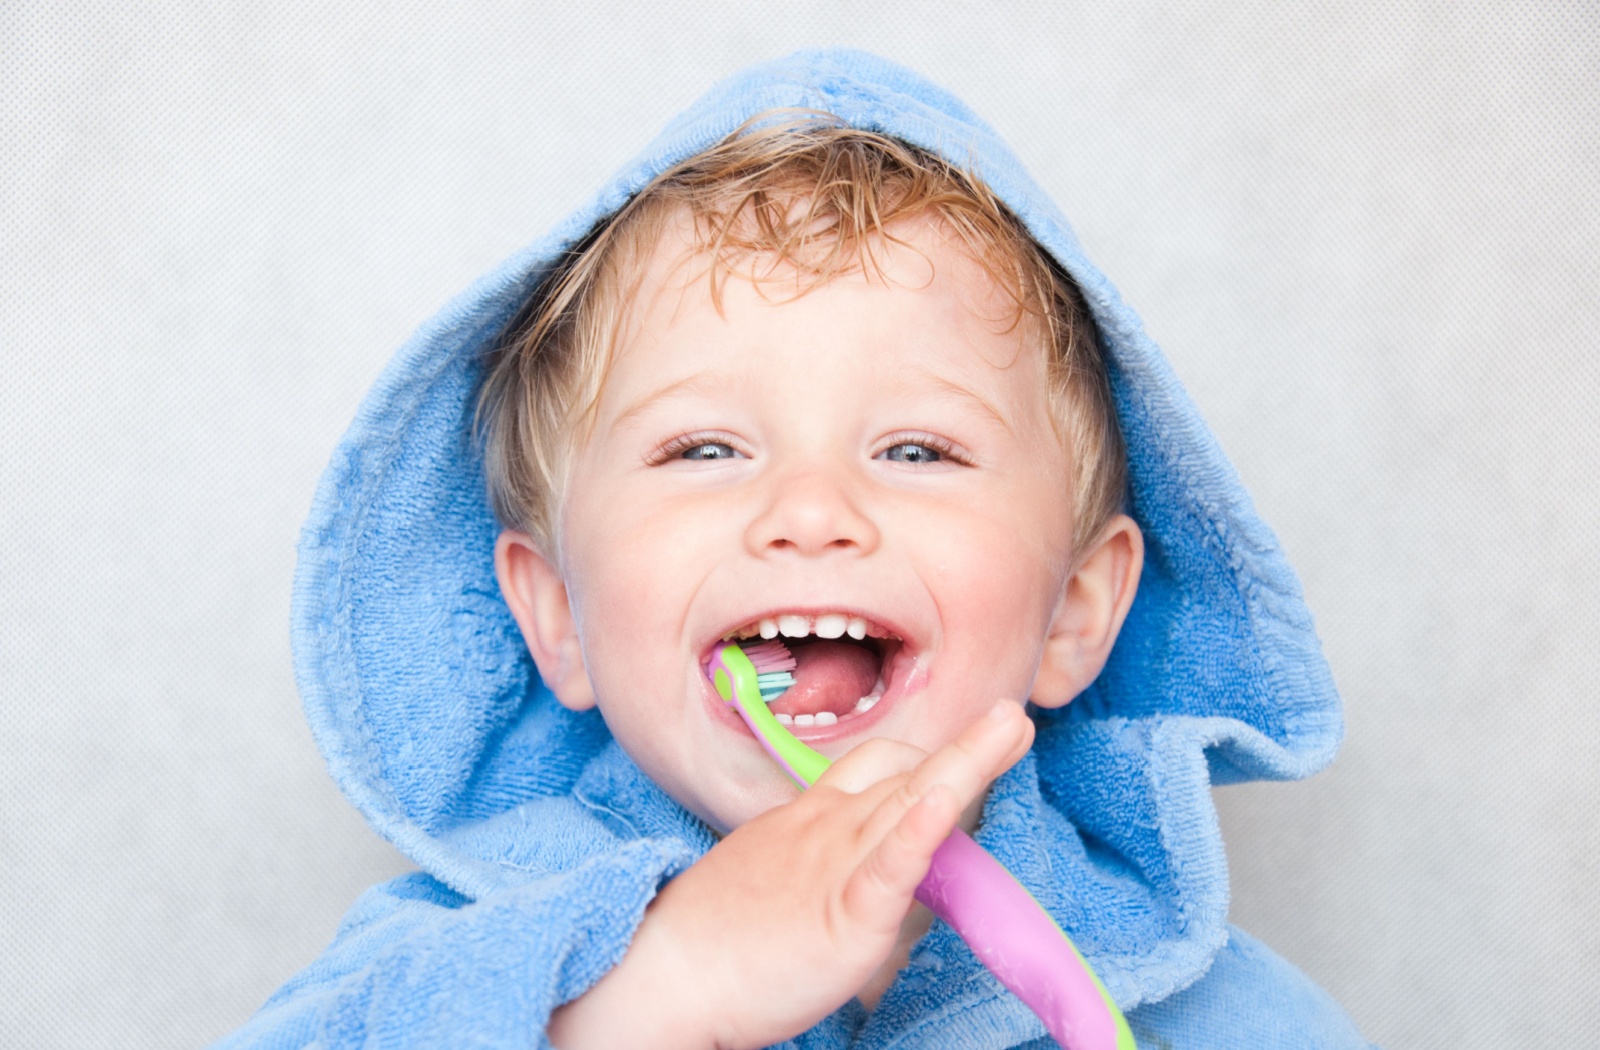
[(1092, 609), (538, 600)]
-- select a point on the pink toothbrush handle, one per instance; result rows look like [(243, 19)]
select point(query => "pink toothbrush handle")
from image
[(1011, 935), (998, 918)]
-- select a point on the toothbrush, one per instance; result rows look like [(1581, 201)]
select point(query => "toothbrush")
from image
[(1005, 927)]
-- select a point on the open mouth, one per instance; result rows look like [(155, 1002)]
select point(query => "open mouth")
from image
[(844, 665)]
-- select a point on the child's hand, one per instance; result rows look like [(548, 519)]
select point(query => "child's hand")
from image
[(786, 918)]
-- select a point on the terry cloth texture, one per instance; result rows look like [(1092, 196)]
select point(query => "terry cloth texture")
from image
[(540, 841)]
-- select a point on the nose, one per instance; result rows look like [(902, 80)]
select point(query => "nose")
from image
[(810, 514)]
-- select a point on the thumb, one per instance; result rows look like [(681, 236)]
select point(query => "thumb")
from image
[(880, 890), (871, 762)]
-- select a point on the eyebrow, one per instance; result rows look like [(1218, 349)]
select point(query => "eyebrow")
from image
[(966, 394), (686, 385), (691, 384)]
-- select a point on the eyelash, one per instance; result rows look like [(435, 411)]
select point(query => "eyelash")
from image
[(676, 447), (947, 450)]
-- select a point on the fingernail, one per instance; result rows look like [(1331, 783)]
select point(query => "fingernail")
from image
[(999, 711)]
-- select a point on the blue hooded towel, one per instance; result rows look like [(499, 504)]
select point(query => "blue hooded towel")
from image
[(540, 843)]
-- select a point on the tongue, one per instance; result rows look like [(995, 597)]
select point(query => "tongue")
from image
[(828, 676)]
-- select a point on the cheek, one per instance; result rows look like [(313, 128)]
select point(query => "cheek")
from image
[(633, 567), (1004, 553), (999, 576)]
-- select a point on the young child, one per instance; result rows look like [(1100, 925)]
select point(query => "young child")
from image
[(822, 362)]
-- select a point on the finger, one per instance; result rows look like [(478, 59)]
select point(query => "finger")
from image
[(870, 762), (881, 888), (1023, 743), (966, 766), (984, 750)]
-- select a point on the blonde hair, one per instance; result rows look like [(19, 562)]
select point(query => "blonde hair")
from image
[(801, 189)]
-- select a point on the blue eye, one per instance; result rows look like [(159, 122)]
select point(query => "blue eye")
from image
[(911, 452), (708, 450)]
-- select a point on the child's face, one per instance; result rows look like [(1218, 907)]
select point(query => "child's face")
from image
[(880, 448)]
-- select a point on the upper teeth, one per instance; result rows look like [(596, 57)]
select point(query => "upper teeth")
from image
[(796, 625)]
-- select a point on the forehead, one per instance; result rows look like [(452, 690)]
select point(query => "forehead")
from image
[(672, 243), (912, 293)]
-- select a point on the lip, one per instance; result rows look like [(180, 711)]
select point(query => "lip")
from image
[(724, 713), (901, 675)]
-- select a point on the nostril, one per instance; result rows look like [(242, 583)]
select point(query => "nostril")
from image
[(811, 515), (844, 543)]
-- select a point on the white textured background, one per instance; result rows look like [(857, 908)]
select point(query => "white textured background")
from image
[(1368, 238)]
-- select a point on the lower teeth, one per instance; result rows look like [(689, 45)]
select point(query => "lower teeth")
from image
[(825, 718)]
